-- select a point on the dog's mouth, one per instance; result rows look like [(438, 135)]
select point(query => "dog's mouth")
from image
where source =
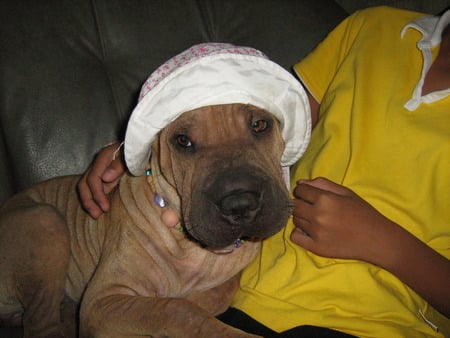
[(230, 248), (217, 244), (226, 241)]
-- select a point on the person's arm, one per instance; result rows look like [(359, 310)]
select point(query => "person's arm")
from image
[(100, 179), (333, 221), (315, 106)]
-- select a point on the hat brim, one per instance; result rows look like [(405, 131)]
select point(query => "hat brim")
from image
[(220, 79)]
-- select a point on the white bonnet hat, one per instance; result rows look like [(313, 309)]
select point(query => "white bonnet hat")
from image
[(212, 74)]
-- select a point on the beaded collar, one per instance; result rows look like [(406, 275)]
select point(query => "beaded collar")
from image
[(161, 202)]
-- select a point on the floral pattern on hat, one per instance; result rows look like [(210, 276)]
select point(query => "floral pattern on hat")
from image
[(192, 54)]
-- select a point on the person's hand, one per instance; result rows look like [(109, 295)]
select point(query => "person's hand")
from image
[(333, 221), (100, 179)]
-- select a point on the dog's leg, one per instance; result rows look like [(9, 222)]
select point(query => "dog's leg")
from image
[(136, 316), (34, 257), (218, 299)]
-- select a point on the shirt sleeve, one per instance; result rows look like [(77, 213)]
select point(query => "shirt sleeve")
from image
[(317, 70)]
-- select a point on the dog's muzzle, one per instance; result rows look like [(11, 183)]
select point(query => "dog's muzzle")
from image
[(236, 204)]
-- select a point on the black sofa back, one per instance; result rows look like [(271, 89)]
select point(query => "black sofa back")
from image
[(71, 70)]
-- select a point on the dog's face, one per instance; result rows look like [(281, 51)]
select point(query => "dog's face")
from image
[(224, 162)]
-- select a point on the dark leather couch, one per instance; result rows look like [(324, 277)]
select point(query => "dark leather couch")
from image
[(71, 70)]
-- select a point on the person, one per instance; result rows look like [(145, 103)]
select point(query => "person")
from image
[(367, 250)]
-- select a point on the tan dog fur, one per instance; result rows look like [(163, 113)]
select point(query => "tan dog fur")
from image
[(130, 274)]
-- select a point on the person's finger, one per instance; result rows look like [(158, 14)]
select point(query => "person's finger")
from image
[(302, 208), (170, 218), (105, 163), (113, 172), (326, 185), (306, 192), (87, 200), (112, 175), (303, 223), (95, 185), (301, 238), (112, 158)]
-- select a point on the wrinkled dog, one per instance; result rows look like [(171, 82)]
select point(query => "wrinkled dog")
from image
[(217, 165)]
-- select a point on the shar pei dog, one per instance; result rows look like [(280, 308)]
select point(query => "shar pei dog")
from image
[(212, 131)]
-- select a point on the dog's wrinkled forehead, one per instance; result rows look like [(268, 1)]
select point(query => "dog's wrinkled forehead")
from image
[(222, 123), (214, 74), (218, 131)]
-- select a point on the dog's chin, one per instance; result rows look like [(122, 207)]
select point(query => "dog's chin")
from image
[(226, 236), (235, 205), (213, 241)]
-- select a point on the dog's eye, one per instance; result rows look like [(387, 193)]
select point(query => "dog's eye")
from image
[(184, 141), (259, 126)]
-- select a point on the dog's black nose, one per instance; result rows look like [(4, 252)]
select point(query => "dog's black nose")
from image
[(240, 207)]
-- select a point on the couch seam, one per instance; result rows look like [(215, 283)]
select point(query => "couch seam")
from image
[(207, 19), (99, 30)]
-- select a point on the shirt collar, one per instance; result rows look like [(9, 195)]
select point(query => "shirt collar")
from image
[(431, 28)]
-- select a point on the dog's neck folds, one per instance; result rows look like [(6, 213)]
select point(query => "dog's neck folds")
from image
[(161, 202)]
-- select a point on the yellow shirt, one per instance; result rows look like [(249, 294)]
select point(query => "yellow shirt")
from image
[(397, 160)]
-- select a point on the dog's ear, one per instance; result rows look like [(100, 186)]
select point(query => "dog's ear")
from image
[(160, 155), (163, 177)]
